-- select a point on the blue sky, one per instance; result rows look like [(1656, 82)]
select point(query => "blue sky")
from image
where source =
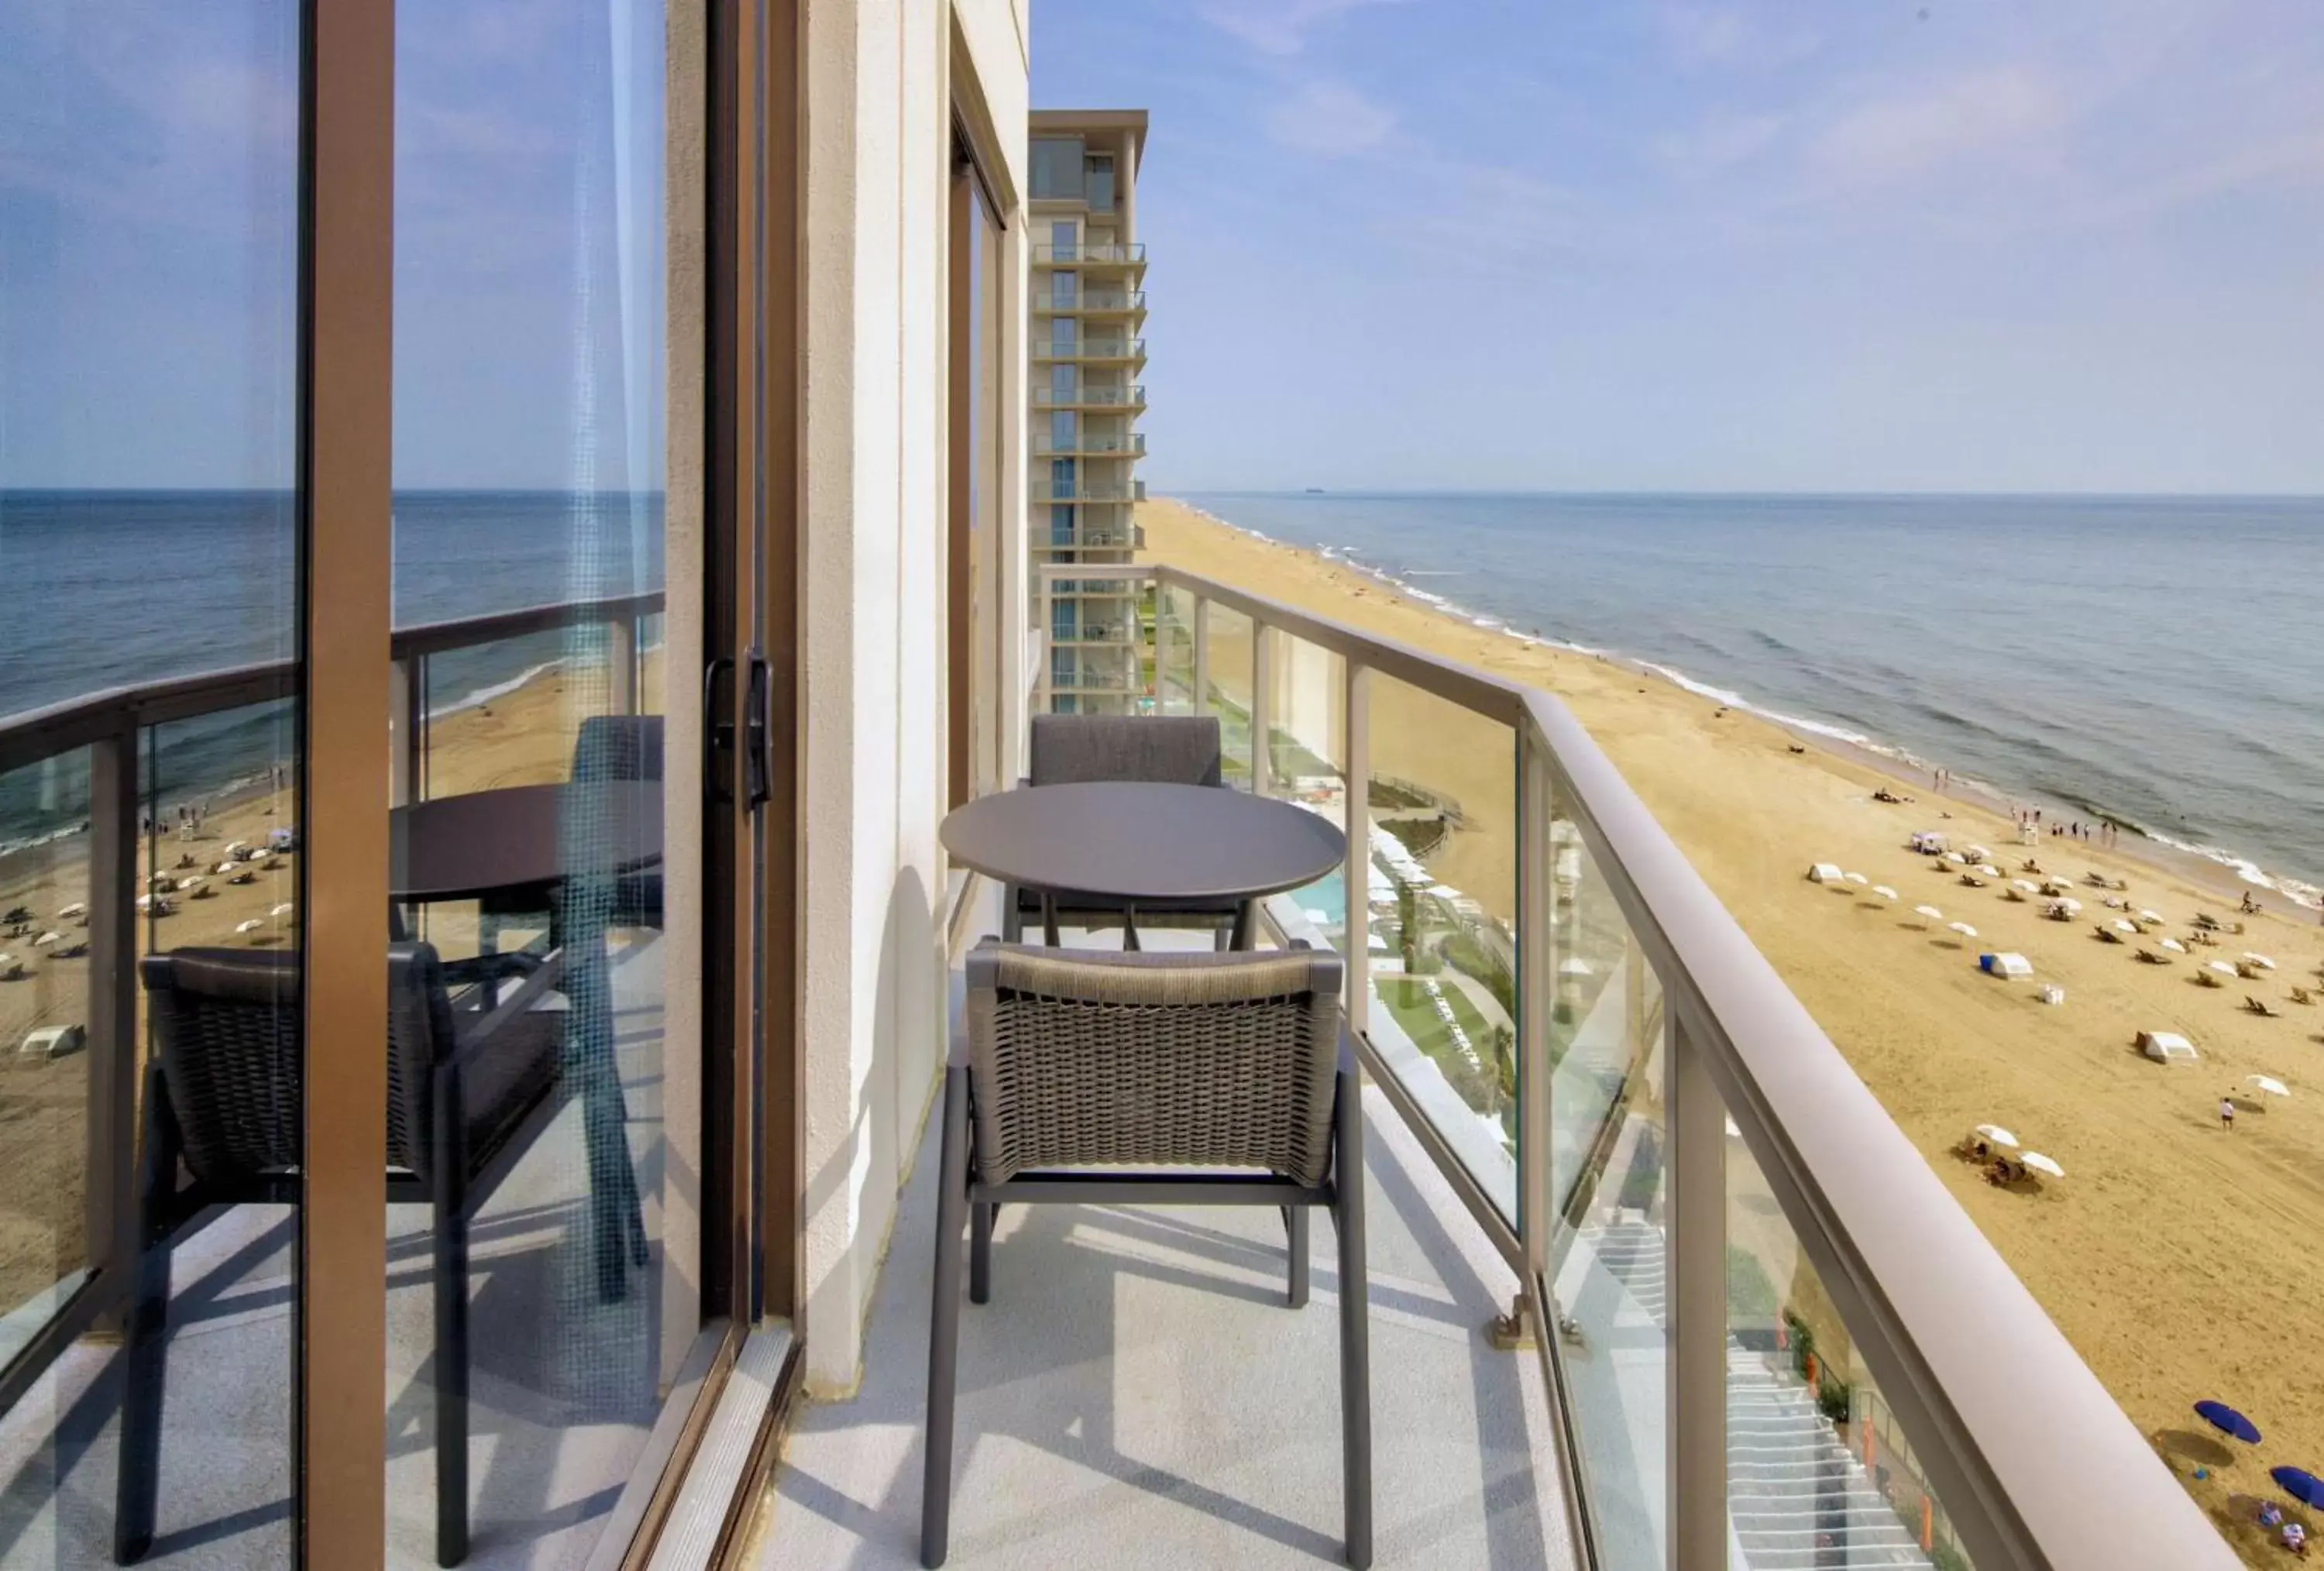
[(1959, 244), (1507, 243)]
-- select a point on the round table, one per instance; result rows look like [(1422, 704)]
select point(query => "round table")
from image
[(1135, 842), (527, 838)]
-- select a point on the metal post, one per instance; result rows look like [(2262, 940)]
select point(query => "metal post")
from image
[(1696, 1236), (1355, 881), (1536, 975), (1262, 711), (1042, 704), (622, 666), (111, 1206), (403, 725), (1202, 655)]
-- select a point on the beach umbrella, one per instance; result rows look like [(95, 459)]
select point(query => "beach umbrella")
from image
[(1856, 878), (1997, 1134), (75, 910), (2262, 961), (1929, 911), (2221, 967), (2124, 925), (284, 909), (2174, 945), (1884, 892), (2041, 1164), (6, 961), (1963, 929), (2227, 1422), (2025, 886), (2269, 1084), (222, 869), (1956, 858), (2155, 916), (252, 926), (2299, 1484), (46, 938), (1989, 869)]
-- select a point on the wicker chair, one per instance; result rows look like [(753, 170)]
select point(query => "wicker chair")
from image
[(470, 1086), (1080, 749), (1076, 1065)]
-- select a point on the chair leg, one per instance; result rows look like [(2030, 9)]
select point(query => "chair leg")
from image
[(1355, 1321), (137, 1471), (1012, 915), (980, 1252), (451, 1273), (944, 1322), (1294, 1220)]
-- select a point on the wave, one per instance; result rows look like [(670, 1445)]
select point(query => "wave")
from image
[(477, 697)]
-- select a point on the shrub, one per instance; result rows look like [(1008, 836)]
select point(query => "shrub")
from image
[(1837, 1399)]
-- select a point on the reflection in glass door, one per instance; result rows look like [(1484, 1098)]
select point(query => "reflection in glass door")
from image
[(531, 1060), (151, 1069)]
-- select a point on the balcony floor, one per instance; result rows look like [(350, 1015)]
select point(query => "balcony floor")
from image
[(1137, 1394)]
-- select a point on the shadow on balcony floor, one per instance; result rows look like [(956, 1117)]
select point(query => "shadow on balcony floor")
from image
[(1137, 1394)]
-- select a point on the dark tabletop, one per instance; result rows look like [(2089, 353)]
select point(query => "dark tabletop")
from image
[(1136, 841), (522, 837)]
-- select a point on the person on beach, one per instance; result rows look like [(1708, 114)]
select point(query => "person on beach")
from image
[(2227, 1111)]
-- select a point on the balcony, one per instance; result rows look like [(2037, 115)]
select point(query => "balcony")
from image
[(1091, 256), (1045, 490), (1095, 302), (1131, 399), (1762, 1332), (1093, 352), (1092, 444)]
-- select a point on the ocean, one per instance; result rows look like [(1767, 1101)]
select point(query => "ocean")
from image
[(2157, 661), (106, 589)]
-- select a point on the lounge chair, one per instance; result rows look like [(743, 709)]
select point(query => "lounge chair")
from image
[(2153, 957), (2208, 978), (2106, 935), (2260, 1006), (1101, 1078), (1082, 749), (469, 1086), (2301, 995)]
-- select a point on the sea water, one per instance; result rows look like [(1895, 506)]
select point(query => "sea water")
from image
[(2158, 661), (121, 589)]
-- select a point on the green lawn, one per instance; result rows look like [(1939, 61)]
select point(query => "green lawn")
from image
[(1409, 1001)]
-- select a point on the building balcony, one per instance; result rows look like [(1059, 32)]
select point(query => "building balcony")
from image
[(1131, 399), (1092, 444), (1092, 257), (1045, 490), (1095, 302), (1089, 539), (1093, 352)]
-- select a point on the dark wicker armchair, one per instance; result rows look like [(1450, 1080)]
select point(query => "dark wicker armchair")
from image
[(471, 1083), (1080, 749), (1084, 1078)]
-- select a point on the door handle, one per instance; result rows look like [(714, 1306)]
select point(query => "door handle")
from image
[(719, 730), (758, 723)]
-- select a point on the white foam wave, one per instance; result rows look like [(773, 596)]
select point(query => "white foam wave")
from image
[(477, 697)]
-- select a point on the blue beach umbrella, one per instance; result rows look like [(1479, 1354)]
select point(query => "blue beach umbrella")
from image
[(2299, 1484), (2227, 1422)]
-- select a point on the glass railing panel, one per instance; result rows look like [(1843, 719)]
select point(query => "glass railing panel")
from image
[(1818, 1471), (1225, 686), (1172, 655), (1440, 897), (46, 1248), (1307, 764), (509, 712), (1607, 1197)]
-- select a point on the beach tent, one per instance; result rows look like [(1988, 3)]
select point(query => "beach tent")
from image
[(2166, 1047), (1824, 872), (2006, 964)]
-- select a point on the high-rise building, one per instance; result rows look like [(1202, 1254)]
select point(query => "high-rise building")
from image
[(1088, 347)]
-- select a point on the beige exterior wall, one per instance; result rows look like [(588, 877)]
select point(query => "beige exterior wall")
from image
[(880, 85)]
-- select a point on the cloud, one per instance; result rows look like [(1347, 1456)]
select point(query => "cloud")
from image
[(1280, 27), (1718, 145), (1704, 37), (1983, 111), (1329, 119)]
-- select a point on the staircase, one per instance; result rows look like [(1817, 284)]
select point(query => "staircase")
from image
[(1798, 1500)]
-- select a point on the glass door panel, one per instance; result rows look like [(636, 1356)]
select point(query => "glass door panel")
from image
[(152, 1067)]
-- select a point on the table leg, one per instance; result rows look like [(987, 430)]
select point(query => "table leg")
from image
[(1050, 920), (1130, 928), (1246, 925)]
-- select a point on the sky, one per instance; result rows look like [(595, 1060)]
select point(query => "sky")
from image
[(1859, 245), (1964, 245)]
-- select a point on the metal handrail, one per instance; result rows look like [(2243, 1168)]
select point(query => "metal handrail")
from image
[(1960, 1348)]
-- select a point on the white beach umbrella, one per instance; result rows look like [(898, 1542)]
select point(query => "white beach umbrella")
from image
[(1929, 911), (2041, 1164), (45, 940), (6, 961), (2221, 967), (285, 908), (222, 869), (2269, 1084), (1989, 869), (252, 926), (1963, 929), (2262, 961), (1956, 858), (1856, 878), (2124, 925), (1997, 1134), (78, 909), (2072, 906), (1884, 892), (2025, 886), (145, 902), (192, 881), (236, 848), (2174, 945), (2155, 916)]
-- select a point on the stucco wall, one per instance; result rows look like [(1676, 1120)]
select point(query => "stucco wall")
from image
[(877, 134)]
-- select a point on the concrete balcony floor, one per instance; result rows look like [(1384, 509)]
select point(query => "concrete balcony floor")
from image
[(1138, 1393)]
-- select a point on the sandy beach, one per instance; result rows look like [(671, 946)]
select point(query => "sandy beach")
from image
[(2176, 1256), (523, 738)]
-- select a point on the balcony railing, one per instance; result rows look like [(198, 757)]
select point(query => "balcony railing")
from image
[(1093, 303), (1079, 491), (1743, 1282), (1092, 349), (117, 729), (1092, 444), (1098, 255), (1090, 398)]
